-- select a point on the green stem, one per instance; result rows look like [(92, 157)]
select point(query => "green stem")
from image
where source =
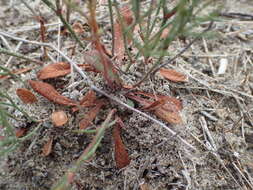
[(65, 23)]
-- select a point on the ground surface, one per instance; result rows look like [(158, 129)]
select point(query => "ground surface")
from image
[(222, 103)]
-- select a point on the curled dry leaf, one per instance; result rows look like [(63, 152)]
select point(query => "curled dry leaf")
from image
[(26, 96), (59, 118), (49, 92), (59, 69), (165, 109), (173, 75), (121, 156), (47, 148), (91, 115), (127, 18)]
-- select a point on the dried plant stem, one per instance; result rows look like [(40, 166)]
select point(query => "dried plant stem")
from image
[(90, 83)]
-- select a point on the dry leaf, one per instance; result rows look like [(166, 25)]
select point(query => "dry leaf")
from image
[(120, 154), (90, 116), (54, 70), (59, 69), (171, 100), (20, 132), (93, 58), (59, 118), (173, 75), (168, 115), (88, 99), (26, 96), (49, 92), (47, 148), (127, 17), (167, 111)]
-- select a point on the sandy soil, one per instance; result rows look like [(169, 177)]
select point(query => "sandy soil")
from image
[(217, 113)]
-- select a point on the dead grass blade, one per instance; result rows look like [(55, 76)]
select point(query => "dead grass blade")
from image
[(49, 92), (121, 155), (26, 96), (173, 75)]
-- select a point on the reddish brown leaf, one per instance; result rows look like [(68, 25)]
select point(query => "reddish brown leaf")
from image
[(26, 96), (18, 71), (59, 69), (88, 99), (47, 148), (49, 92), (54, 70), (59, 118), (127, 17), (90, 116), (173, 75), (175, 101), (20, 132), (106, 67), (167, 111), (168, 115), (121, 156)]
